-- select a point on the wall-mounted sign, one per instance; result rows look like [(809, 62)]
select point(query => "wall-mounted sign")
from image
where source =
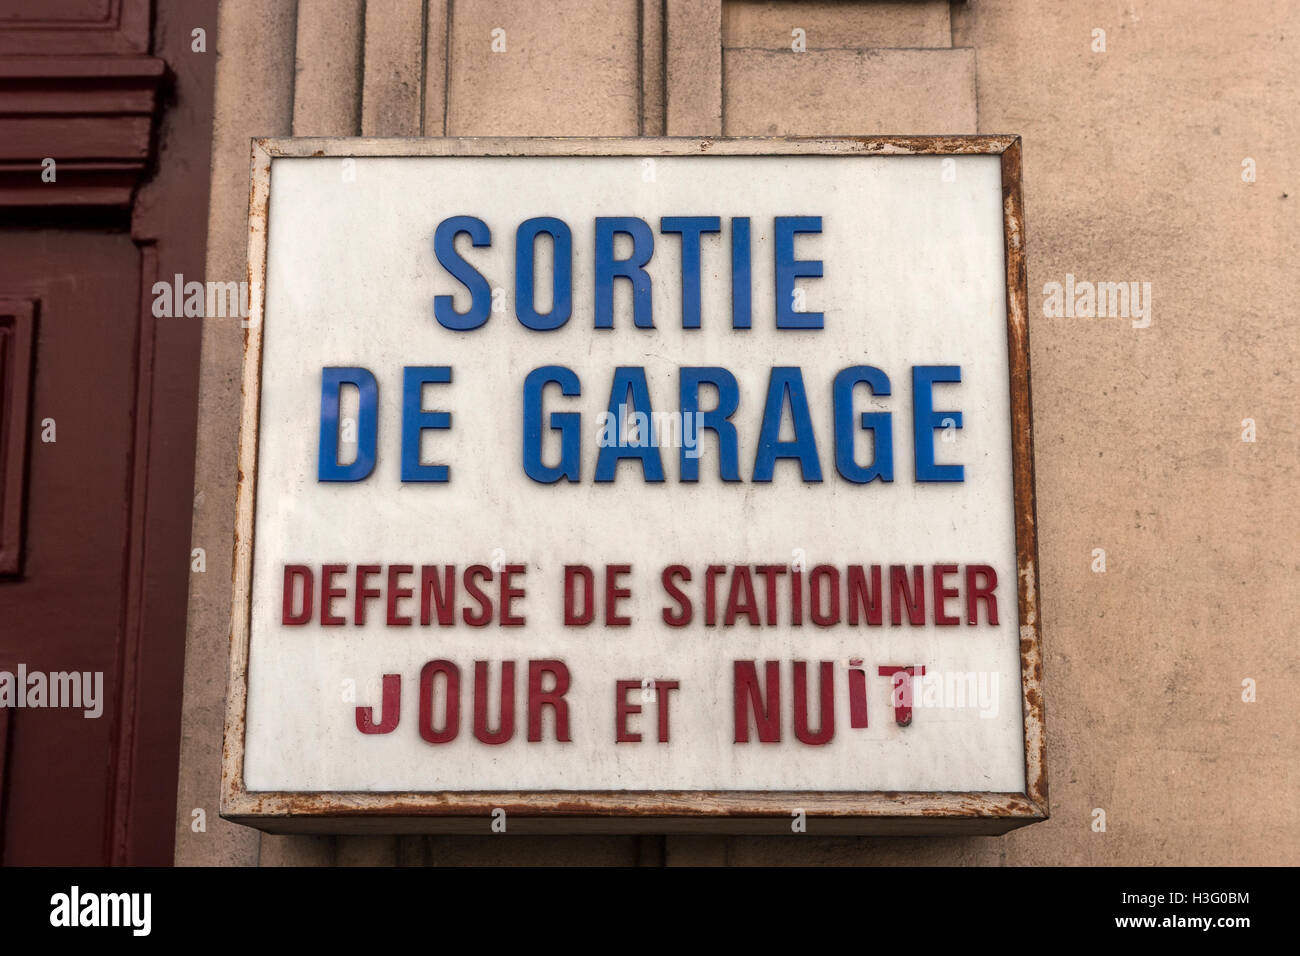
[(636, 485)]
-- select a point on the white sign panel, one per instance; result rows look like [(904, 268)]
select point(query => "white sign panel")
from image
[(649, 468)]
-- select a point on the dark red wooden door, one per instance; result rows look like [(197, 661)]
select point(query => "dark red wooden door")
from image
[(97, 421), (64, 613)]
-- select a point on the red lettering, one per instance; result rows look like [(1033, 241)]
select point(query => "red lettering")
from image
[(662, 689), (900, 594), (510, 594), (862, 597), (451, 709), (328, 593), (614, 594), (624, 709), (484, 615), (976, 592), (749, 696), (287, 614), (710, 593), (506, 721), (363, 593), (942, 593), (769, 573), (686, 612), (554, 698), (574, 573), (397, 593), (443, 596), (857, 694), (826, 692), (796, 598), (741, 581), (830, 616), (392, 709)]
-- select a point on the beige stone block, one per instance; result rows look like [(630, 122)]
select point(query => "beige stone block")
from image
[(849, 92), (693, 67), (327, 81), (1201, 805), (1133, 172), (557, 69), (437, 60), (653, 79), (254, 89), (392, 95), (835, 24)]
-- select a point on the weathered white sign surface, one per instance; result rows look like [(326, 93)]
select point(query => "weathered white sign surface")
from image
[(654, 467)]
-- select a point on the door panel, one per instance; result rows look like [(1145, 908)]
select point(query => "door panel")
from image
[(65, 611)]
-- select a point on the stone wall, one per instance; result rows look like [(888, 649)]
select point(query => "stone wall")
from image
[(1135, 149)]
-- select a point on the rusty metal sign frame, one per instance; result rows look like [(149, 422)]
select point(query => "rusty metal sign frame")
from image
[(731, 811)]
